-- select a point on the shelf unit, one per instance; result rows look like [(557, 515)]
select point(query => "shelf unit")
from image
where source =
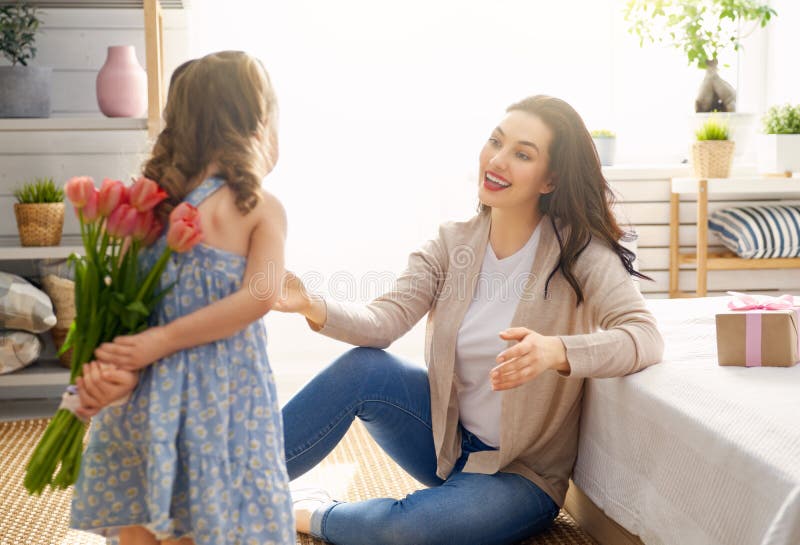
[(703, 260), (154, 48), (46, 378)]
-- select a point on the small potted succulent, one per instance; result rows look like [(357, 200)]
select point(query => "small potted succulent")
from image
[(779, 146), (24, 89), (712, 153), (40, 213), (606, 143)]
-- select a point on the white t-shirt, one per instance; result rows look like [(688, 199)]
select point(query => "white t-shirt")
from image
[(497, 293)]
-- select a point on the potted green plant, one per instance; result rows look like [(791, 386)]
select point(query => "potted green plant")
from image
[(779, 146), (24, 90), (40, 213), (712, 153), (702, 29), (606, 143)]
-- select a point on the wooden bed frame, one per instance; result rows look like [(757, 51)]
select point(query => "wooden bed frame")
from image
[(594, 521)]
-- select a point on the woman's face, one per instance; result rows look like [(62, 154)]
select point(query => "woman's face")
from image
[(514, 163)]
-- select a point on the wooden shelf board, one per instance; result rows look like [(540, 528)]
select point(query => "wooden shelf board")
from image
[(740, 186), (683, 295), (43, 372), (16, 253), (68, 123), (725, 262)]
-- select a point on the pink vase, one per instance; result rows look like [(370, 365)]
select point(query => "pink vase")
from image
[(122, 84)]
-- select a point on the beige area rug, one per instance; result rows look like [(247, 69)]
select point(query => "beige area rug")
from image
[(357, 469)]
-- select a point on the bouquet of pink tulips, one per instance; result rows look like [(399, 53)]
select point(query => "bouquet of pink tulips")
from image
[(113, 296)]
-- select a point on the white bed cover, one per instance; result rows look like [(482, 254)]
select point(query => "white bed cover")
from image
[(687, 452)]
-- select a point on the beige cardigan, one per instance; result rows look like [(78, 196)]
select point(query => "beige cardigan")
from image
[(611, 334)]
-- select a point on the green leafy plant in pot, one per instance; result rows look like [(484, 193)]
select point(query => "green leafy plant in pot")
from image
[(779, 146), (24, 89), (40, 213), (702, 29), (712, 153)]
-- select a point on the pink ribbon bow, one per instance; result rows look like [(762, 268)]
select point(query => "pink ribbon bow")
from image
[(742, 301), (752, 345)]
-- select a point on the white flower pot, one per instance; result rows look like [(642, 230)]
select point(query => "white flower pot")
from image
[(606, 147), (778, 153)]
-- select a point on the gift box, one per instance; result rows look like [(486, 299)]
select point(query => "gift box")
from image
[(759, 333)]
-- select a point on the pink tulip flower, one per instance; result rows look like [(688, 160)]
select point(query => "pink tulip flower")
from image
[(183, 235), (145, 194), (90, 211), (144, 221), (78, 190), (156, 228), (112, 194), (122, 221), (184, 211)]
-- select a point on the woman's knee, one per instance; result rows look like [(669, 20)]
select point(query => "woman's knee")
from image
[(359, 364)]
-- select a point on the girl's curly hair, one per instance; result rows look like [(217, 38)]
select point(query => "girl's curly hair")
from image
[(220, 108)]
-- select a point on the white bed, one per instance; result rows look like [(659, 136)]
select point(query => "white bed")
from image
[(690, 453)]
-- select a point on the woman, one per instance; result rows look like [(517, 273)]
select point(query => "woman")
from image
[(492, 425)]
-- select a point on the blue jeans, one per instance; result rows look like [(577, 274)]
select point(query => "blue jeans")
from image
[(392, 398)]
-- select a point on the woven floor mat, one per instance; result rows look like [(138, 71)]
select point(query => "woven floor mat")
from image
[(357, 469)]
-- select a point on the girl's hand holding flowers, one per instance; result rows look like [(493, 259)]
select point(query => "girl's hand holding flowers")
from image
[(101, 385)]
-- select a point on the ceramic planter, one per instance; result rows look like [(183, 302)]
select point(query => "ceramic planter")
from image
[(606, 148), (25, 91), (778, 153)]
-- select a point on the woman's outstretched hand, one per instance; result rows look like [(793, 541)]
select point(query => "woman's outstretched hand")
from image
[(295, 298), (527, 359)]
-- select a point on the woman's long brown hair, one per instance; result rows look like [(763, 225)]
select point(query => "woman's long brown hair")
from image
[(220, 108), (580, 206)]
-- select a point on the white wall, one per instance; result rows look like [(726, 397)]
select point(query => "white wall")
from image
[(782, 72)]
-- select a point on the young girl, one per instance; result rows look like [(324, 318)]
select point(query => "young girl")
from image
[(196, 454)]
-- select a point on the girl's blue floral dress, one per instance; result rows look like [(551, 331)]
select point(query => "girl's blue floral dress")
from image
[(198, 450)]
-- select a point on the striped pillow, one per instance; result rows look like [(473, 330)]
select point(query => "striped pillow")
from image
[(759, 231)]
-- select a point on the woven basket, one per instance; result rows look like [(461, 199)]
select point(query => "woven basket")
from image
[(712, 158), (40, 224), (62, 292)]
